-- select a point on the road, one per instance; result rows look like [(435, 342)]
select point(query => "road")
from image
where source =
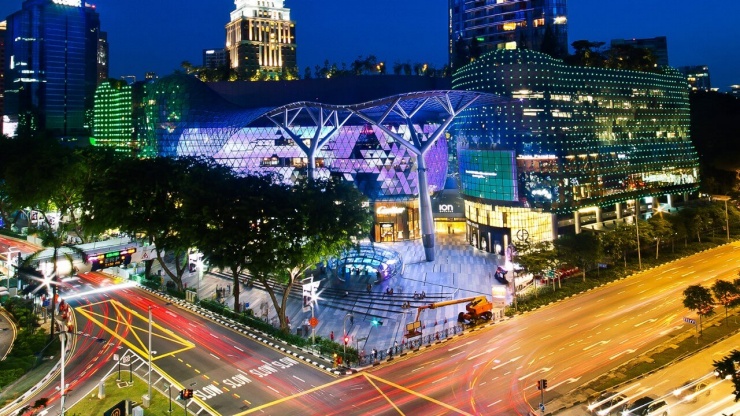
[(495, 371), (228, 371), (489, 371)]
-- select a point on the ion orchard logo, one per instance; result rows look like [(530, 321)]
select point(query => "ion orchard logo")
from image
[(446, 208)]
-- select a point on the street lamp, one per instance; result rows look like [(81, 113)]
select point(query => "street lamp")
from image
[(344, 330), (150, 354), (637, 227), (9, 264), (727, 218), (63, 339), (169, 394)]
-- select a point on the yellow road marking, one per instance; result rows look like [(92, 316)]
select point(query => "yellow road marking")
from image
[(386, 397), (409, 391), (309, 391)]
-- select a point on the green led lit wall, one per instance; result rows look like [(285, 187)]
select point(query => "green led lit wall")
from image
[(582, 136), (112, 116), (488, 174)]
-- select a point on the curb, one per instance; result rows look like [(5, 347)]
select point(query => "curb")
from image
[(303, 354)]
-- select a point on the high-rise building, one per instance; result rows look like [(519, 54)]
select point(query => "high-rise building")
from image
[(215, 58), (113, 112), (697, 76), (658, 46), (260, 39), (3, 26), (51, 70), (480, 26), (102, 57)]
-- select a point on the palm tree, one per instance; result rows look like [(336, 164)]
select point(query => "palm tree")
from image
[(54, 239)]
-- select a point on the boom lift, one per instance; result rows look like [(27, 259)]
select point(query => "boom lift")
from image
[(478, 309)]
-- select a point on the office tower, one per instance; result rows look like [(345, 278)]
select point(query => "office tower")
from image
[(2, 74), (52, 66), (102, 57), (260, 40), (697, 77), (658, 46), (480, 26), (215, 58)]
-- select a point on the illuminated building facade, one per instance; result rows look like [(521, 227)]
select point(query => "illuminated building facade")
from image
[(260, 39), (51, 66), (215, 58), (113, 116), (488, 25), (393, 149), (573, 142), (697, 76), (3, 26)]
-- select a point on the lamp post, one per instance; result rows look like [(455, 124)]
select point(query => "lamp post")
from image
[(169, 394), (344, 330), (727, 218), (63, 339), (637, 227), (150, 354), (9, 264)]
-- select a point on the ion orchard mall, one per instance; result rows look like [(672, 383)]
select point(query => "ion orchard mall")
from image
[(521, 147)]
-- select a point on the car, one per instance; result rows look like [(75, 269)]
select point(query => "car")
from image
[(646, 406), (691, 390), (608, 404)]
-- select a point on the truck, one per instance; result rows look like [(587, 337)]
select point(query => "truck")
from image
[(478, 308)]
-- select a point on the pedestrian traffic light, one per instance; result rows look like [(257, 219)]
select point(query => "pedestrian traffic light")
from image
[(346, 339), (377, 322), (539, 384)]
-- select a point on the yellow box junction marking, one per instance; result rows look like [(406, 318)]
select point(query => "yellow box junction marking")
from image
[(140, 347)]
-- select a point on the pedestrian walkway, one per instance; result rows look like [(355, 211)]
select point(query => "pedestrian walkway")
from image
[(458, 271)]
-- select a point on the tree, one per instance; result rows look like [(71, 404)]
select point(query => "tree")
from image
[(145, 196), (727, 294), (661, 229), (726, 367), (229, 225), (679, 230), (54, 238), (698, 298), (301, 226), (536, 258), (618, 241), (582, 250)]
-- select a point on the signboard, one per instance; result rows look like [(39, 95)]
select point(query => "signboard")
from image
[(111, 258), (117, 410), (689, 321)]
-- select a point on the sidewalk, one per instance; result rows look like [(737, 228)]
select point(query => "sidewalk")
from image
[(458, 271)]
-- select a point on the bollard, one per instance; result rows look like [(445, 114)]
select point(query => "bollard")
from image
[(101, 389)]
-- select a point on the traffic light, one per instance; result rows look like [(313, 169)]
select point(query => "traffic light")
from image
[(377, 322), (185, 394), (539, 384), (346, 339), (544, 384)]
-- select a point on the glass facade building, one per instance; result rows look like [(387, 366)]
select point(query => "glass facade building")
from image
[(51, 67), (187, 118), (571, 140), (113, 116), (489, 25)]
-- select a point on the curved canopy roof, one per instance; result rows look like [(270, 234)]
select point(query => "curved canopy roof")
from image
[(422, 106)]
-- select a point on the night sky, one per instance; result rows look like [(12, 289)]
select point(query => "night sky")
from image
[(157, 35)]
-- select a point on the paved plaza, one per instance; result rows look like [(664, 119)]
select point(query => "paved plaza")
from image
[(459, 271)]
